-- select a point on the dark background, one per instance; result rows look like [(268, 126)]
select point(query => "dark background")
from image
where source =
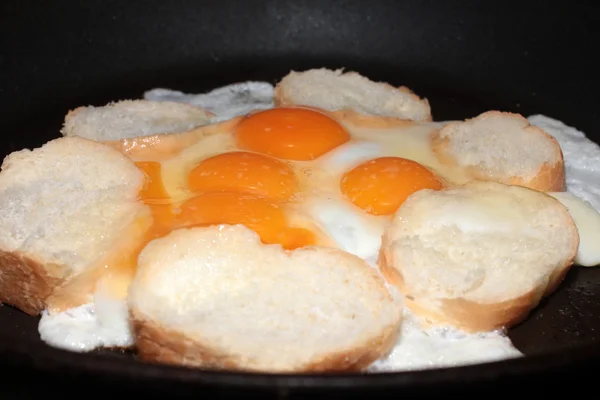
[(528, 56), (466, 57)]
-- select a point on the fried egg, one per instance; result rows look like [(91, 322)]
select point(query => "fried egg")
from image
[(296, 176)]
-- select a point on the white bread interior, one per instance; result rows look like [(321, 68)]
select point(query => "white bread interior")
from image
[(478, 256), (335, 90), (217, 298), (63, 207), (503, 147), (133, 118)]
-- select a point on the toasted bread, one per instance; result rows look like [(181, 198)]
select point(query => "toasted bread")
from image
[(335, 90), (217, 298), (133, 118), (503, 147), (478, 256), (63, 209)]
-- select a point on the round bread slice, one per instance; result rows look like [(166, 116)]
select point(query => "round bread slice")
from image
[(133, 118), (478, 256), (503, 147), (63, 208), (335, 90), (217, 298)]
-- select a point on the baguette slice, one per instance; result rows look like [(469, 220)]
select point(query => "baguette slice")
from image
[(216, 298), (127, 119), (478, 256), (63, 208), (335, 90), (503, 147)]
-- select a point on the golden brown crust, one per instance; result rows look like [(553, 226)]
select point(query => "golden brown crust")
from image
[(549, 178), (26, 283), (558, 277), (156, 344), (73, 113), (281, 99), (74, 292), (465, 314)]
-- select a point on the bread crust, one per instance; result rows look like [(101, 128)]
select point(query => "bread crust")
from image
[(71, 114), (281, 98), (32, 285), (548, 178), (30, 279), (159, 340), (26, 283), (156, 344), (466, 315), (469, 315)]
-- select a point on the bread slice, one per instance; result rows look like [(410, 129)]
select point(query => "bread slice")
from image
[(216, 298), (133, 118), (478, 256), (503, 147), (335, 90), (63, 208)]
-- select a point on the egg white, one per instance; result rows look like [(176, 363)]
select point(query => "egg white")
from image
[(587, 221), (104, 323), (419, 349)]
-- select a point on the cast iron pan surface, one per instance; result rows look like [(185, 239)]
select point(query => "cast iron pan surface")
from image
[(466, 57)]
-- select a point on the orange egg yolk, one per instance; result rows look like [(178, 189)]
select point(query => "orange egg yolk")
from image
[(254, 199), (243, 171), (381, 185), (290, 133), (264, 216)]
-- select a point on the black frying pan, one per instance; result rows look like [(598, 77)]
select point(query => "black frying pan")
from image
[(466, 57)]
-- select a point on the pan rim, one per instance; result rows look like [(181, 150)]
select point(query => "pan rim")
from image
[(569, 358)]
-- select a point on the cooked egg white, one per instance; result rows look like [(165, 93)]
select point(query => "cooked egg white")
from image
[(101, 324), (354, 232), (587, 221), (410, 141), (420, 349)]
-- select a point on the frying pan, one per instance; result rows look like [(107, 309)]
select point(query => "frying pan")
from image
[(466, 57)]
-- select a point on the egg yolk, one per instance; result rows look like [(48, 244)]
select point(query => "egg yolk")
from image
[(262, 215), (290, 133), (381, 185), (243, 171)]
